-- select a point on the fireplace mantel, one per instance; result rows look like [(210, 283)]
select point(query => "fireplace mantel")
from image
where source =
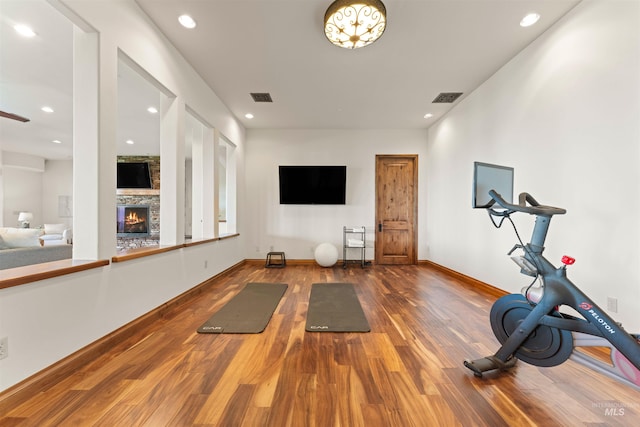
[(137, 192)]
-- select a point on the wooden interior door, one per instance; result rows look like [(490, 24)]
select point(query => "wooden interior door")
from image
[(396, 209)]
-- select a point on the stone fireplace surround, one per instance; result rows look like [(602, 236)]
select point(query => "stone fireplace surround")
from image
[(150, 197)]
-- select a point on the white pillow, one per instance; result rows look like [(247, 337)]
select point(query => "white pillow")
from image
[(51, 237), (54, 228), (22, 239)]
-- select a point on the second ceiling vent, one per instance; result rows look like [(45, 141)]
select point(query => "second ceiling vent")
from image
[(447, 97), (261, 97)]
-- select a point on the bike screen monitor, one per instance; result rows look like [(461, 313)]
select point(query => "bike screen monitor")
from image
[(488, 177)]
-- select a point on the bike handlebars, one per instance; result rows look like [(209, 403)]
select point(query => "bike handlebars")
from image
[(533, 207)]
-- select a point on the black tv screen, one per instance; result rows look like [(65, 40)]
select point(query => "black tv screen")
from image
[(134, 175), (313, 185), (488, 177)]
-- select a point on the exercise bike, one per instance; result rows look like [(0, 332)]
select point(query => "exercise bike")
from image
[(531, 327)]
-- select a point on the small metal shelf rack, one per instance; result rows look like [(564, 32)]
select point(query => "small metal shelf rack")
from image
[(353, 240)]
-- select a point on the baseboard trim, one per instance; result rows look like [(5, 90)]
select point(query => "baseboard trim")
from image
[(485, 287), (19, 393)]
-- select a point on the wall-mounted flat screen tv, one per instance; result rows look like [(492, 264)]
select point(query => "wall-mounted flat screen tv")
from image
[(491, 177), (134, 175), (313, 185)]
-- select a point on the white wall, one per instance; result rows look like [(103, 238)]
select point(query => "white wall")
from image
[(57, 180), (565, 113), (22, 187), (298, 229), (188, 197), (48, 320), (22, 193), (33, 184)]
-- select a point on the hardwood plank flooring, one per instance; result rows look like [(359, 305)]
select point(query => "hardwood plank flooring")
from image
[(407, 371)]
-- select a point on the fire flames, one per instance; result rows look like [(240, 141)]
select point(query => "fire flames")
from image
[(133, 218)]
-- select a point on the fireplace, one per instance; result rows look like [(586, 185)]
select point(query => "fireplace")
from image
[(133, 220)]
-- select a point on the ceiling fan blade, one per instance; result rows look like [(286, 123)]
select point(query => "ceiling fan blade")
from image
[(13, 116)]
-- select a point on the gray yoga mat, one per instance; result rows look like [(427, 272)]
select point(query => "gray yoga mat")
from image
[(248, 312), (334, 307)]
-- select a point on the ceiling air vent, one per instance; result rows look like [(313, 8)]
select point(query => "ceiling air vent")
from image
[(261, 97), (447, 97)]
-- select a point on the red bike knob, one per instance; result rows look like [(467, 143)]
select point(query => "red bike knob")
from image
[(567, 260)]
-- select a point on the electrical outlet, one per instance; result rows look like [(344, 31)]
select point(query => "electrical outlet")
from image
[(4, 347), (271, 248), (612, 304)]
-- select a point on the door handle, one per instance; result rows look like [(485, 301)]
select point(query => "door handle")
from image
[(380, 227)]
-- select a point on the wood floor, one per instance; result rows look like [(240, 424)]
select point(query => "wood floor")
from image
[(407, 371)]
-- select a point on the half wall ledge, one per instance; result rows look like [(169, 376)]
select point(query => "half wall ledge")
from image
[(129, 254), (47, 270)]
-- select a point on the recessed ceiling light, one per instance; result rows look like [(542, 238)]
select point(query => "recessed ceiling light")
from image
[(24, 30), (152, 110), (47, 109), (249, 116), (57, 141), (130, 141), (529, 19), (428, 116), (187, 21)]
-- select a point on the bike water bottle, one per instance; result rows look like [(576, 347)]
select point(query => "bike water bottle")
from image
[(533, 293)]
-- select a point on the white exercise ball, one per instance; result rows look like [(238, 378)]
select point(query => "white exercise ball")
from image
[(326, 254)]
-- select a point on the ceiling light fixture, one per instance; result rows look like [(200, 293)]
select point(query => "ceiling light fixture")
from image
[(47, 109), (428, 116), (249, 116), (530, 19), (355, 23), (129, 141), (57, 141), (187, 21), (152, 110), (24, 30)]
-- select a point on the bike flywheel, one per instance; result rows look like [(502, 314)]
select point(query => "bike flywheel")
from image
[(546, 346)]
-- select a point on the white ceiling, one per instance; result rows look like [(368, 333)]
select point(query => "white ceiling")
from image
[(275, 46)]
